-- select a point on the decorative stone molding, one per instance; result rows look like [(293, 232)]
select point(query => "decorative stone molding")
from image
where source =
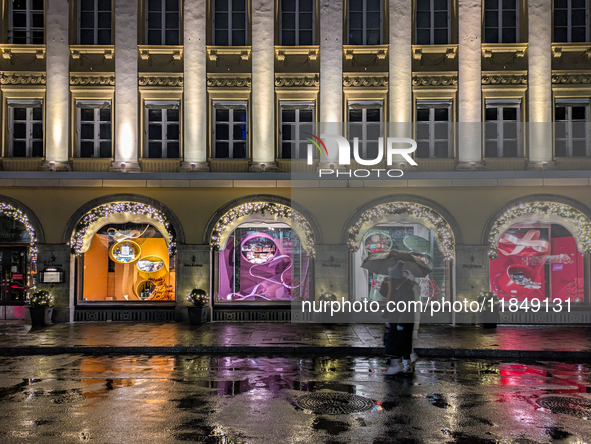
[(108, 52), (92, 80), (380, 51), (435, 80), (518, 49), (559, 48), (450, 51), (160, 80), (226, 82), (365, 81), (572, 79), (23, 79), (504, 79), (294, 81), (8, 51), (213, 52), (283, 52), (147, 51)]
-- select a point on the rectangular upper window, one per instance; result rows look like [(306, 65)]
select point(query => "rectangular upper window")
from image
[(502, 128), (297, 22), (230, 130), (94, 22), (163, 22), (229, 22), (501, 19), (93, 129), (163, 130), (297, 122), (432, 22), (364, 122), (25, 126), (364, 19), (26, 22), (433, 129), (571, 128), (571, 21)]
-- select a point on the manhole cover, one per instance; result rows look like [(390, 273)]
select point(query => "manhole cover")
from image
[(569, 405), (330, 403)]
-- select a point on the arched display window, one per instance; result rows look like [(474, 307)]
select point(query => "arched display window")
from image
[(537, 253), (406, 227), (125, 255), (263, 255)]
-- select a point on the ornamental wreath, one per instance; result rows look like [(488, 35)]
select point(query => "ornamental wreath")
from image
[(90, 218), (443, 232), (16, 214), (264, 207), (582, 225)]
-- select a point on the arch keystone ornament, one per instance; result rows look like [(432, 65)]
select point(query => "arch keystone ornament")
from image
[(282, 213), (420, 213), (574, 220), (119, 212)]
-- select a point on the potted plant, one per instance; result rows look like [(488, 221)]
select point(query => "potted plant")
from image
[(41, 307), (199, 300), (489, 315)]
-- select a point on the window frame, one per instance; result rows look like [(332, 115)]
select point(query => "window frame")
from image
[(433, 104), (297, 21), (235, 104), (96, 106), (163, 29), (432, 24), (95, 27), (229, 30), (29, 27), (364, 28), (569, 23), (500, 140), (298, 106), (163, 105), (29, 104), (364, 105), (569, 103), (500, 10)]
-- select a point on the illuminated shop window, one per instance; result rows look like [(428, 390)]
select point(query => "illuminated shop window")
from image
[(262, 263), (127, 263), (432, 22), (26, 23), (163, 22), (365, 22), (433, 129), (571, 128), (94, 18), (502, 129), (571, 20), (297, 22), (414, 238), (94, 128), (163, 134), (365, 123), (297, 120), (25, 128), (501, 21), (537, 261), (229, 22), (229, 130)]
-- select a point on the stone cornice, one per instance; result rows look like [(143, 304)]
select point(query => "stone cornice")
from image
[(428, 79), (504, 79), (365, 81), (297, 81), (167, 80), (23, 79), (92, 80), (227, 82), (572, 78)]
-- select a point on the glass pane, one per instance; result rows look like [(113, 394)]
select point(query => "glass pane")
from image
[(423, 37), (172, 20), (306, 115), (104, 5), (560, 18), (172, 5), (154, 20), (19, 131), (239, 115), (87, 37), (373, 20), (440, 19), (288, 21), (87, 131), (286, 150), (105, 149), (373, 37), (104, 20), (491, 35), (37, 113), (19, 149), (509, 113), (306, 21), (154, 5), (374, 131), (491, 19), (560, 130), (510, 130), (288, 115), (422, 130), (440, 37), (491, 4), (288, 5), (306, 38), (441, 114), (172, 38), (355, 38), (578, 112), (580, 130), (240, 150), (221, 150), (87, 149), (288, 38), (86, 20), (239, 132), (221, 38), (579, 148), (303, 153), (155, 115), (222, 132), (423, 5), (373, 114), (105, 115), (238, 38), (37, 149), (560, 113), (490, 149), (222, 115), (104, 37), (38, 131), (490, 131), (154, 38), (172, 115), (440, 5), (422, 149), (441, 150), (510, 148), (509, 19), (373, 5), (560, 148), (86, 5), (355, 115), (19, 113), (155, 150), (423, 20), (560, 34), (490, 114), (305, 5), (172, 132), (87, 115), (239, 5), (286, 132), (155, 132), (173, 150), (441, 131), (422, 114), (221, 5)]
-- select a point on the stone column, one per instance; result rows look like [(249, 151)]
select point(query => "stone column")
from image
[(331, 74), (540, 84), (400, 76), (263, 86), (469, 86), (58, 87), (126, 86), (195, 87)]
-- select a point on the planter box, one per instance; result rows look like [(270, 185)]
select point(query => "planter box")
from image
[(41, 315), (197, 315)]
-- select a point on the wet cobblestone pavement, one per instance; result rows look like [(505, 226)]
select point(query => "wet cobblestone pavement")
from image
[(205, 399)]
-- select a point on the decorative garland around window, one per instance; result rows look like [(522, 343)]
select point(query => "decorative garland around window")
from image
[(106, 210), (16, 214), (580, 223), (273, 209), (442, 232)]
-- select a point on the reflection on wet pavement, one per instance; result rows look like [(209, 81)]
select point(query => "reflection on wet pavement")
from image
[(204, 399)]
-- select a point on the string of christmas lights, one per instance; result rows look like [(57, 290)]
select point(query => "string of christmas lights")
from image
[(85, 224), (16, 214), (274, 209), (579, 222), (443, 233)]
